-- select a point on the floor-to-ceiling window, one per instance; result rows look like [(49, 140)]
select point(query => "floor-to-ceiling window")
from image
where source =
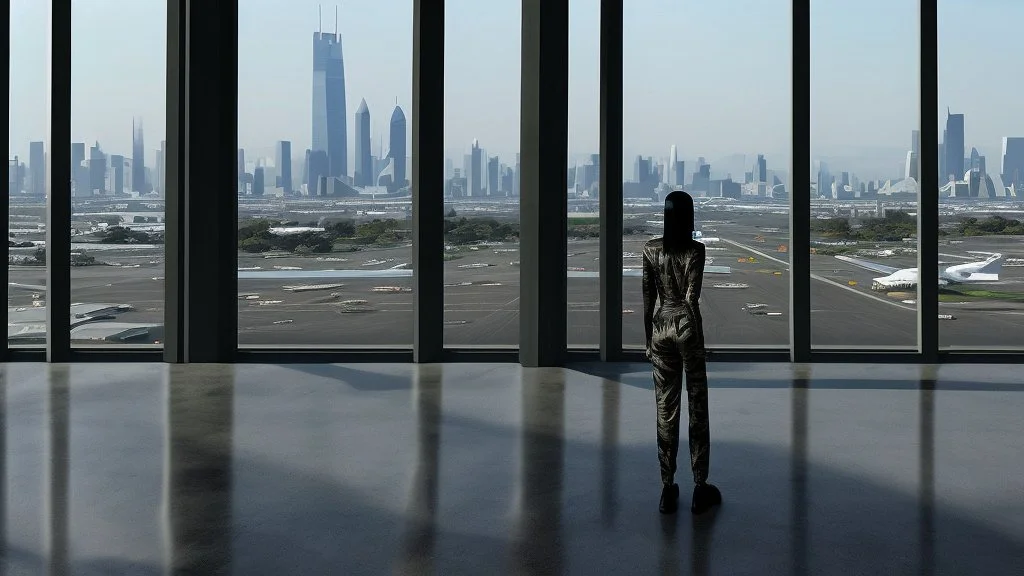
[(706, 91), (865, 144), (118, 118), (584, 166), (27, 145), (324, 202), (981, 175), (482, 172)]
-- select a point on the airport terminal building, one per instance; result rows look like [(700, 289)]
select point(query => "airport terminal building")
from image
[(385, 364)]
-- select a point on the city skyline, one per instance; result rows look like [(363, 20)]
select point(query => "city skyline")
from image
[(378, 68)]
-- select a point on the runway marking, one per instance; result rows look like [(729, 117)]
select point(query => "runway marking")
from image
[(758, 252), (864, 294), (821, 278)]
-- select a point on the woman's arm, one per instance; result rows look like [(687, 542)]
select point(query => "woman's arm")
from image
[(650, 288), (695, 276), (693, 282)]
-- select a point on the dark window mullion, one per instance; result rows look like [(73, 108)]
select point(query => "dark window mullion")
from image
[(58, 193), (800, 185), (611, 180), (928, 194)]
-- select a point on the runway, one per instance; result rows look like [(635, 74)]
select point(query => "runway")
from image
[(482, 297)]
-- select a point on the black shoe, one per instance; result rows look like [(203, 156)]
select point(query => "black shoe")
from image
[(669, 499), (704, 497)]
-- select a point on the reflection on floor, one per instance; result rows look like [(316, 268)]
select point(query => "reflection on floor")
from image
[(487, 469)]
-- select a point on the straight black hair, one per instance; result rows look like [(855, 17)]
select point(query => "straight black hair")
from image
[(679, 221)]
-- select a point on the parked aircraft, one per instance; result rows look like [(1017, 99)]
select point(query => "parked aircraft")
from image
[(986, 270)]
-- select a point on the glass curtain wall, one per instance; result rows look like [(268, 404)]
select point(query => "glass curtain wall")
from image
[(324, 228)]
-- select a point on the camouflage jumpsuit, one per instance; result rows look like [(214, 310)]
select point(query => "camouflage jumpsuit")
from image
[(675, 343)]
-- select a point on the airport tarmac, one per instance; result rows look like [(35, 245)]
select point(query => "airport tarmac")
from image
[(482, 296)]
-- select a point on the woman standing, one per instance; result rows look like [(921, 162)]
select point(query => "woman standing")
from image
[(673, 271)]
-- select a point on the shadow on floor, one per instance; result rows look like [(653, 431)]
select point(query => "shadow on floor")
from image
[(639, 376), (781, 515), (374, 378)]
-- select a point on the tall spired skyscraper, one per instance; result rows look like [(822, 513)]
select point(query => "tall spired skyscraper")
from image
[(330, 134), (364, 175), (398, 148), (138, 159)]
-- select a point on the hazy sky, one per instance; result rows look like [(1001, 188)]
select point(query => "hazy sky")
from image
[(711, 76)]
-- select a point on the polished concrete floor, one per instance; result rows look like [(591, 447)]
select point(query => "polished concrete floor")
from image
[(491, 469)]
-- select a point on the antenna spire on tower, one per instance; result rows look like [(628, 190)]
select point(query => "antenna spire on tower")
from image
[(319, 18), (335, 19)]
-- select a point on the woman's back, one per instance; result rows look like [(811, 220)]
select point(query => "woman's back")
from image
[(674, 275)]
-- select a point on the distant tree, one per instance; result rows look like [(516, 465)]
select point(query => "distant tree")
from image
[(122, 235), (341, 229), (82, 259)]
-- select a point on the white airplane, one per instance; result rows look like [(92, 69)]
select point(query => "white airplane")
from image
[(906, 278)]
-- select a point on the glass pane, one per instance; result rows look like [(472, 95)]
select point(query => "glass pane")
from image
[(584, 241), (981, 178), (27, 137), (481, 133), (707, 109), (324, 205), (864, 121), (118, 118)]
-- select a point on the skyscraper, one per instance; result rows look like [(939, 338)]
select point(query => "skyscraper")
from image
[(915, 142), (976, 161), (258, 183), (117, 175), (761, 169), (161, 169), (79, 173), (398, 150), (518, 177), (330, 134), (317, 165), (475, 180), (680, 174), (138, 159), (97, 170), (283, 161), (493, 176), (77, 155), (37, 169), (943, 177), (954, 145), (1013, 164), (910, 168), (672, 175), (241, 170), (15, 176), (824, 181), (364, 159)]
